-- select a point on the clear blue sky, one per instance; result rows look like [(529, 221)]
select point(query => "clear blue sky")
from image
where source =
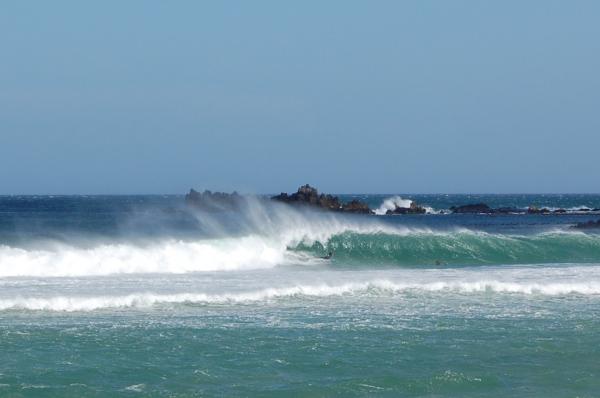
[(261, 96)]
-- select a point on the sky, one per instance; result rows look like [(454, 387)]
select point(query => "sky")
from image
[(122, 97)]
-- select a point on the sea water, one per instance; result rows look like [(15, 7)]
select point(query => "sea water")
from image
[(144, 296)]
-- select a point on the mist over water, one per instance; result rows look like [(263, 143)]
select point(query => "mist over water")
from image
[(212, 301)]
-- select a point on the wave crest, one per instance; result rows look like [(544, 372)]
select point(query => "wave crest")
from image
[(368, 246)]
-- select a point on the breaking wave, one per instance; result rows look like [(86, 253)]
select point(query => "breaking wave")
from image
[(245, 250), (350, 246), (269, 237), (462, 247)]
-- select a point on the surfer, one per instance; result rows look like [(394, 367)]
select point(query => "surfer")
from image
[(328, 256)]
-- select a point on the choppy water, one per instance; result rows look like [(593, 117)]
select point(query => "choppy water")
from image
[(139, 295)]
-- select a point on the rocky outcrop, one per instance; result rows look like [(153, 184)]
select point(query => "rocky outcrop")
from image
[(509, 210), (477, 208), (213, 201), (545, 210), (356, 206), (588, 225), (413, 209), (535, 210), (482, 208), (307, 195), (310, 196)]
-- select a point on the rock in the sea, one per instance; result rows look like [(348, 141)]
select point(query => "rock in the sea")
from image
[(482, 208), (413, 209), (535, 210), (307, 195), (588, 225), (478, 208), (213, 201), (310, 196), (509, 210), (356, 206)]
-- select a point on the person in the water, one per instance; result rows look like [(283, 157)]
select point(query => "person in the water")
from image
[(328, 256)]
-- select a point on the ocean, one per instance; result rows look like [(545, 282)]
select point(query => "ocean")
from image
[(104, 296)]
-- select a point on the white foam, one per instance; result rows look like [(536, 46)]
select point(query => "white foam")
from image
[(397, 201), (590, 288), (582, 209), (372, 289), (162, 257), (431, 210), (391, 204)]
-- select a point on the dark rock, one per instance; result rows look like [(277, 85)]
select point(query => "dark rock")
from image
[(559, 211), (508, 210), (307, 195), (587, 225), (213, 201), (310, 196), (535, 210), (477, 208), (356, 206), (413, 209)]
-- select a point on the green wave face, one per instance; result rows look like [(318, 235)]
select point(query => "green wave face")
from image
[(460, 248)]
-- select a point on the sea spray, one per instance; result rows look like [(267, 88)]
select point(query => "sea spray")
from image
[(392, 203), (259, 236)]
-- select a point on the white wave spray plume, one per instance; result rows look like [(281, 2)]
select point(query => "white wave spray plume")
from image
[(256, 236), (391, 204)]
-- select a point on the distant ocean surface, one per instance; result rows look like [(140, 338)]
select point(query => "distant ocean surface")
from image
[(143, 296)]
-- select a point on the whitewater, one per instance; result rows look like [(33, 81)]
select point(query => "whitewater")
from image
[(267, 286)]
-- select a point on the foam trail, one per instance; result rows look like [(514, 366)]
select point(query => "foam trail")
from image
[(372, 288), (583, 209)]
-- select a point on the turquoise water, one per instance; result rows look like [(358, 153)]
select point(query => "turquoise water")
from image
[(139, 296)]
